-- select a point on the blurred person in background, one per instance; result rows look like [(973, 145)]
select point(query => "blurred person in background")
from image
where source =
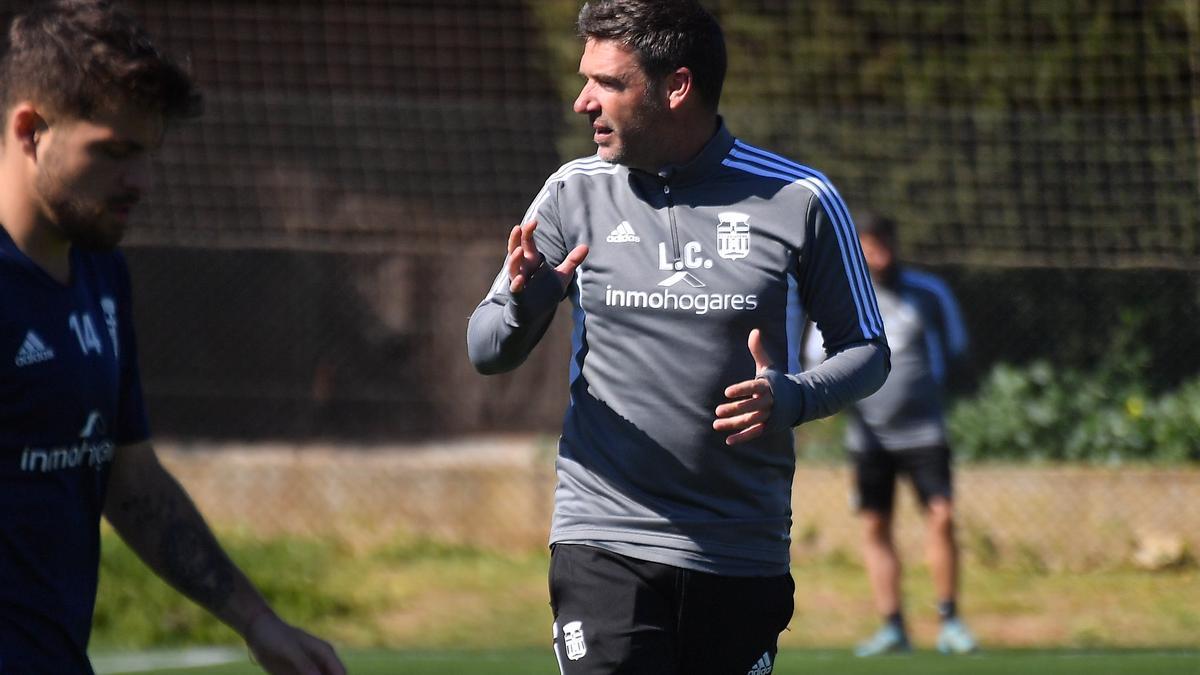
[(677, 245), (87, 98), (901, 430)]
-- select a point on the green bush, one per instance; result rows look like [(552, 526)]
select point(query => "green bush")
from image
[(1104, 414), (1175, 424), (1042, 413)]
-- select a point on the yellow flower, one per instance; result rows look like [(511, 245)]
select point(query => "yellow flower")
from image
[(1135, 406)]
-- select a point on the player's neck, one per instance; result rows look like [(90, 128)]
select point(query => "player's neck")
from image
[(678, 145), (22, 216), (39, 242), (691, 137)]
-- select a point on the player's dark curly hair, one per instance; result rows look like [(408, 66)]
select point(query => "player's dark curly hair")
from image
[(81, 57), (664, 35)]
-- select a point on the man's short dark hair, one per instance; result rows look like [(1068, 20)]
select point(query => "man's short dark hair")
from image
[(876, 225), (77, 58), (664, 35)]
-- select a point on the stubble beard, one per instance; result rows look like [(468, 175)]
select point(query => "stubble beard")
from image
[(85, 223), (640, 138)]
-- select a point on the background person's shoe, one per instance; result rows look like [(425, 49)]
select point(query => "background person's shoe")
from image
[(955, 638), (888, 640)]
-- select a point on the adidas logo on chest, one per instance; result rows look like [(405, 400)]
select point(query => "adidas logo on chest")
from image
[(33, 350), (623, 234)]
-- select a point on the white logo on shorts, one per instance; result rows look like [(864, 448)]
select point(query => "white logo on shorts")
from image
[(573, 639)]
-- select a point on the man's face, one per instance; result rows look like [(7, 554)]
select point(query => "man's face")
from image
[(878, 253), (627, 114), (91, 173)]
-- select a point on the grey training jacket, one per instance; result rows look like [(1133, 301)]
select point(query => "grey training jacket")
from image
[(927, 337), (682, 265)]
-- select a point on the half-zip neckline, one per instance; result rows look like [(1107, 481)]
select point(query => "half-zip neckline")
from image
[(670, 178), (678, 258)]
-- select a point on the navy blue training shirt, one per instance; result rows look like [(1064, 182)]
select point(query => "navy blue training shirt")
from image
[(70, 393)]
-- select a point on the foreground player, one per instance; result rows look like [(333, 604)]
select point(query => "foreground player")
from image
[(677, 245), (86, 97), (900, 430)]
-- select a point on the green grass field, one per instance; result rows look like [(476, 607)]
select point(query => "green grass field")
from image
[(452, 610), (791, 662), (418, 596)]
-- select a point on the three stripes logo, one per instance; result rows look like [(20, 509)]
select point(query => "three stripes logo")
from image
[(32, 351), (623, 234), (763, 666)]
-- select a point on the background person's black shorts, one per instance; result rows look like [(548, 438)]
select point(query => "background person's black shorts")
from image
[(614, 614), (876, 470)]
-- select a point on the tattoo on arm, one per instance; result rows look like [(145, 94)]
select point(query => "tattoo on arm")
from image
[(173, 539), (140, 510), (194, 562)]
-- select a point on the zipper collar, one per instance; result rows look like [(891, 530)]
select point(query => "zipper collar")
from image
[(700, 167)]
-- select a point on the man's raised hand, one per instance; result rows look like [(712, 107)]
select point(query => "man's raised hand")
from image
[(524, 259)]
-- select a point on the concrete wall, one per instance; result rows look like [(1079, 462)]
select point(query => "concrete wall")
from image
[(497, 493)]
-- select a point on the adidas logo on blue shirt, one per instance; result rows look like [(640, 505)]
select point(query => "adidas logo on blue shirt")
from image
[(33, 350)]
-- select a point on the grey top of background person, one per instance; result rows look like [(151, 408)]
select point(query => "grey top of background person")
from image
[(928, 340)]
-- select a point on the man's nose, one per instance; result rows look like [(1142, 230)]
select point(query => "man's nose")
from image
[(585, 102)]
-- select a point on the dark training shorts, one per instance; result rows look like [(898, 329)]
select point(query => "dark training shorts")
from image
[(876, 470), (614, 614)]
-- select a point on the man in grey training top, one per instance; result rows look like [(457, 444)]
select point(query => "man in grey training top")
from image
[(901, 430), (678, 246)]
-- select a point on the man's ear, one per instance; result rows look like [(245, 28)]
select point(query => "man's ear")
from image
[(26, 127), (680, 87)]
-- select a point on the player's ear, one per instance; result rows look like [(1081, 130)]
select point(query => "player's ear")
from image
[(26, 128), (679, 86)]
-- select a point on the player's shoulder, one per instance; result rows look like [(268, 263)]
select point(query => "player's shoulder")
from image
[(924, 281), (773, 166), (921, 278), (588, 168)]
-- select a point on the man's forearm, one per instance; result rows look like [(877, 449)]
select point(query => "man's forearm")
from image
[(504, 329), (851, 374), (157, 519)]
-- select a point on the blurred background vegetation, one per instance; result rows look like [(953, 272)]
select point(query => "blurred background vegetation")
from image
[(1044, 157), (305, 266), (304, 269)]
